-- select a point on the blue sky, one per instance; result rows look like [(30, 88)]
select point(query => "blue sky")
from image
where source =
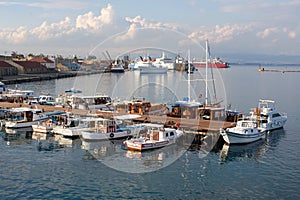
[(81, 27)]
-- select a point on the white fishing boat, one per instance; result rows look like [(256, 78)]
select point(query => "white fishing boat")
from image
[(43, 127), (245, 131), (48, 125), (107, 129), (68, 126), (24, 117), (156, 137), (267, 115)]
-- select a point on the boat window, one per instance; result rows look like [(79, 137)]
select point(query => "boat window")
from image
[(167, 134), (172, 134), (276, 115)]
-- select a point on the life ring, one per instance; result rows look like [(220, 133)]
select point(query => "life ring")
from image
[(111, 135), (128, 131)]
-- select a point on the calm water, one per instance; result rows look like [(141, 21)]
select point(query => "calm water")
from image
[(56, 168)]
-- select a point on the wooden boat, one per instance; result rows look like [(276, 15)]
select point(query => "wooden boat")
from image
[(246, 131), (156, 137), (140, 106)]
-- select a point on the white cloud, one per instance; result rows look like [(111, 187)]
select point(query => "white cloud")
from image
[(141, 23), (14, 35), (277, 32), (47, 31), (220, 33), (65, 27), (266, 32), (292, 34), (91, 22)]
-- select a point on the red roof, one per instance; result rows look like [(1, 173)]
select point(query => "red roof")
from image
[(31, 64), (5, 64), (41, 60)]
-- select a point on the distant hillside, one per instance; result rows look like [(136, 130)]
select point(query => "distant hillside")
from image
[(260, 59)]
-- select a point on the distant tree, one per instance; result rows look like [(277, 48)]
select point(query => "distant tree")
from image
[(30, 55)]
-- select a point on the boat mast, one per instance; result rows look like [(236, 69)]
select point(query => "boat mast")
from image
[(206, 69), (189, 76)]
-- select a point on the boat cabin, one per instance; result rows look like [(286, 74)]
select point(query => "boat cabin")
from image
[(107, 126), (185, 109), (137, 106), (160, 133), (212, 113), (90, 102), (22, 114)]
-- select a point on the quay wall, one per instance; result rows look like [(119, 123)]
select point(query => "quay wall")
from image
[(21, 78)]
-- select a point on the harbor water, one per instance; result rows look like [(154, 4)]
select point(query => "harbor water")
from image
[(34, 167)]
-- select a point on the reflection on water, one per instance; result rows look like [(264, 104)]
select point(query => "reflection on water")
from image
[(14, 137), (113, 154), (255, 150), (252, 150)]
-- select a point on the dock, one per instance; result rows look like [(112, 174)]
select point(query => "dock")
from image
[(190, 125)]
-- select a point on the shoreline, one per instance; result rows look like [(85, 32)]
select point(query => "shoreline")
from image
[(21, 78)]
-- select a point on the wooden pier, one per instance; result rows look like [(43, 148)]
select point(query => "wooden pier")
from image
[(191, 125)]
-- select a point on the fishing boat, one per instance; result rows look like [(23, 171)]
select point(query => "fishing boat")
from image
[(48, 125), (245, 131), (114, 128), (104, 130), (267, 115), (72, 126), (43, 127), (24, 117), (156, 137)]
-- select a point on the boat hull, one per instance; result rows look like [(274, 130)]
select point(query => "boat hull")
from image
[(97, 136), (237, 138), (42, 129), (153, 70), (131, 145), (68, 132), (21, 124), (211, 65)]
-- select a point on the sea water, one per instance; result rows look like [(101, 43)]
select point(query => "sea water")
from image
[(33, 167)]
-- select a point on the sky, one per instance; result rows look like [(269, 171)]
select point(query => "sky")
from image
[(81, 27)]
